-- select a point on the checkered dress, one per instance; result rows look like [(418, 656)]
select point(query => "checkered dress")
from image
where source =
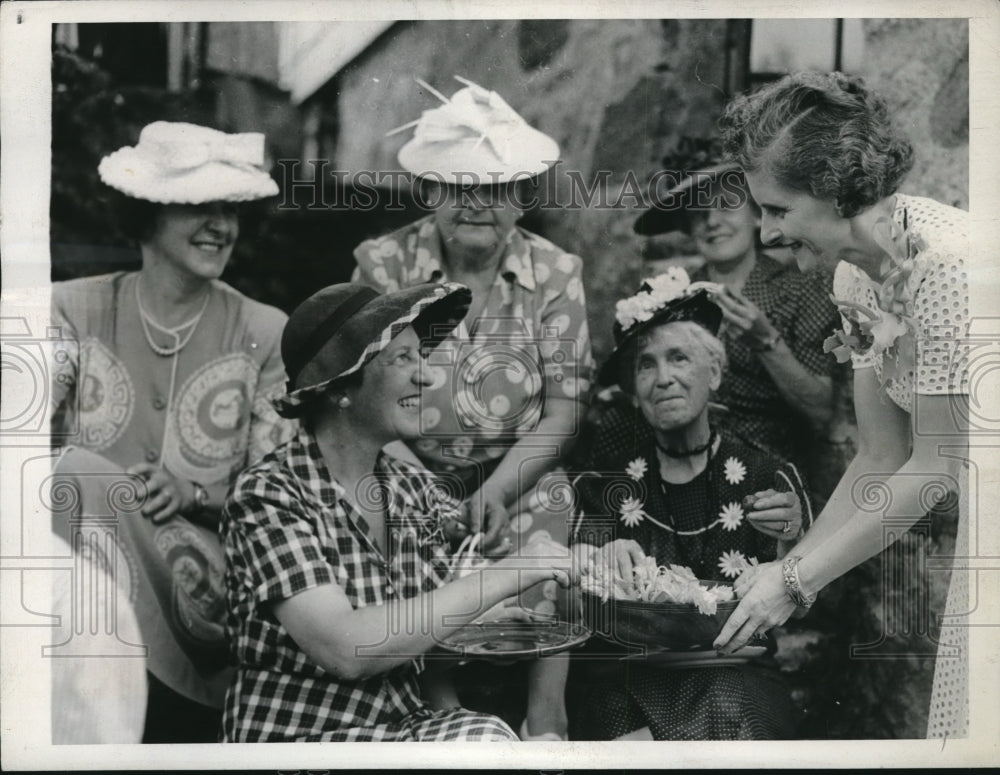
[(798, 306), (286, 529)]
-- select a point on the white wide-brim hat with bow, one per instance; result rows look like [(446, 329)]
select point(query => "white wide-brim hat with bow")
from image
[(179, 163), (475, 138)]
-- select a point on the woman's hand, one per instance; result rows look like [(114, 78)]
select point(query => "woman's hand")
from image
[(775, 514), (619, 557), (540, 560), (744, 582), (765, 605), (745, 318), (167, 495), (486, 513)]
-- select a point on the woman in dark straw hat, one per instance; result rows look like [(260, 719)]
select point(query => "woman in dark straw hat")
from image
[(329, 541), (685, 494), (169, 381), (776, 317), (498, 420), (824, 161)]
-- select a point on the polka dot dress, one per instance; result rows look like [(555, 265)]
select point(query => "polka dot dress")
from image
[(940, 307), (725, 703), (940, 286), (949, 711)]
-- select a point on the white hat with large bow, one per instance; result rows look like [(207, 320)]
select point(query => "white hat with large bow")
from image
[(179, 163), (475, 137)]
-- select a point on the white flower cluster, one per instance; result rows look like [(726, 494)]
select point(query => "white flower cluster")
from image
[(663, 288)]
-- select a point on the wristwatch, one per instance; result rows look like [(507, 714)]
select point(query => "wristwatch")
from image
[(769, 344)]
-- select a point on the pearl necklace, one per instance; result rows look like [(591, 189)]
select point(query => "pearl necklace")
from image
[(147, 320)]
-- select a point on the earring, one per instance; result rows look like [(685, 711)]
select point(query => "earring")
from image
[(343, 402)]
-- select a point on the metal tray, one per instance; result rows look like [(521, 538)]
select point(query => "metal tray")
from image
[(512, 641)]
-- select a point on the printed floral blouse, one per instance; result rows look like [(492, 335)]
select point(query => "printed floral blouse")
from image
[(491, 378)]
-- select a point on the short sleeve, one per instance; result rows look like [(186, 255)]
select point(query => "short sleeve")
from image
[(272, 544), (816, 318), (847, 287), (942, 308), (564, 338)]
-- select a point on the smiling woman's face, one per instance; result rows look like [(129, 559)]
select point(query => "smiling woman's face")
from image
[(388, 400), (812, 228), (196, 240), (476, 219)]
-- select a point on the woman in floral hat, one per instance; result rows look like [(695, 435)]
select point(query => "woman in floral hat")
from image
[(166, 386), (508, 386), (824, 161), (686, 494), (337, 571), (776, 316)]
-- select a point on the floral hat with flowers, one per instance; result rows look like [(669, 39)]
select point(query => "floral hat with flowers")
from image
[(476, 133), (667, 298)]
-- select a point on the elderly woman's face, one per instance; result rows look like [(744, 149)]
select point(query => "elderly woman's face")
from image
[(812, 228), (388, 400), (474, 218), (197, 240), (674, 377)]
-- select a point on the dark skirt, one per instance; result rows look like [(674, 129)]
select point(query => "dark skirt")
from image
[(744, 702)]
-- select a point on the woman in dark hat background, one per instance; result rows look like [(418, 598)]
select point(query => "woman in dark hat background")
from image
[(688, 483), (329, 541), (776, 317)]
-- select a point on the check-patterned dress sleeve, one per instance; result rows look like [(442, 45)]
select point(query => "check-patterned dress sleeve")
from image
[(286, 529)]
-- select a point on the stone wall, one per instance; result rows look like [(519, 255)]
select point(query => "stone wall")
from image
[(922, 67)]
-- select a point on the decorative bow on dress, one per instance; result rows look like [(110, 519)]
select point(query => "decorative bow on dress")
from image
[(893, 332)]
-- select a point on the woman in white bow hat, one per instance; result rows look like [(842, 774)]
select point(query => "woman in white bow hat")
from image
[(508, 385), (167, 384)]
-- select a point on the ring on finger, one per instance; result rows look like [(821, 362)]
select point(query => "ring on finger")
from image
[(786, 527)]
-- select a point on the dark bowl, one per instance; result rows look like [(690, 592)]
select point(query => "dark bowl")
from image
[(673, 626)]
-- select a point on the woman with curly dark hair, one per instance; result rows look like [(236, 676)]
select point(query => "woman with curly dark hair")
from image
[(824, 162)]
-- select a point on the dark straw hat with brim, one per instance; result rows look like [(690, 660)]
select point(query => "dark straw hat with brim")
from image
[(670, 207), (338, 330), (667, 298)]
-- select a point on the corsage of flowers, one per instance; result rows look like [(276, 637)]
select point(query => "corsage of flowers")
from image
[(893, 332), (655, 293)]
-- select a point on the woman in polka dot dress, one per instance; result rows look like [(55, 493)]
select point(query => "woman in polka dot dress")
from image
[(823, 161)]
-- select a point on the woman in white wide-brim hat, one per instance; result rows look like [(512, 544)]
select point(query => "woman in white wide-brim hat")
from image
[(168, 383), (506, 397)]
